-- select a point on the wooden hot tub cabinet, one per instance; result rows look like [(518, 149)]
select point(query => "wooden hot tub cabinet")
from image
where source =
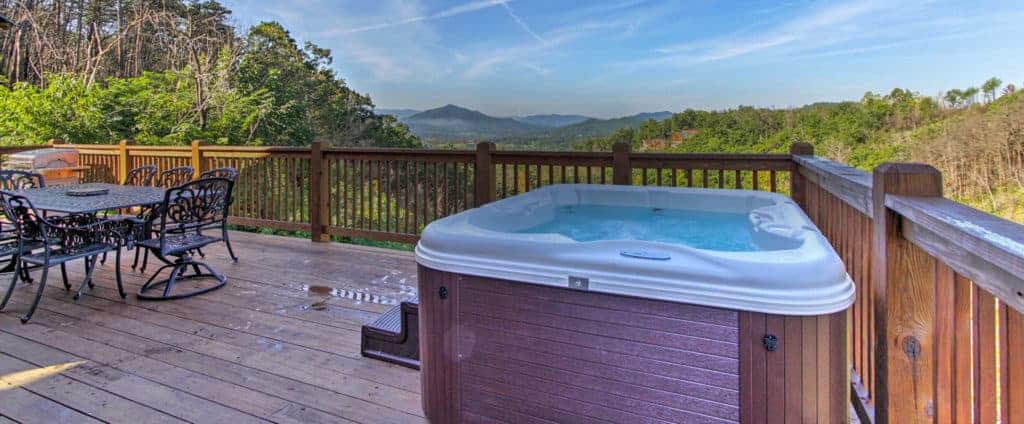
[(502, 351)]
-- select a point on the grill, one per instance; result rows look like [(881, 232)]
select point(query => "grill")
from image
[(58, 166)]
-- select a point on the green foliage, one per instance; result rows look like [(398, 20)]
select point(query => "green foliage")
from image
[(273, 93), (859, 133)]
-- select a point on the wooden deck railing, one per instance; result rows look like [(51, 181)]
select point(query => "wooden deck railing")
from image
[(937, 326), (392, 194), (936, 323)]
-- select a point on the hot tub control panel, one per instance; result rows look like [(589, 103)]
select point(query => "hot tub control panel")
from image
[(579, 283)]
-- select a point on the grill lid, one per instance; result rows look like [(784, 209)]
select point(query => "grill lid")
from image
[(44, 159)]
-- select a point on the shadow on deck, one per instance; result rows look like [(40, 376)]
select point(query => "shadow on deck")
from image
[(280, 343)]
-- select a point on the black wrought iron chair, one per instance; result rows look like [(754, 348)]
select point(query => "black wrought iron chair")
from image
[(175, 176), (60, 240), (15, 180), (142, 176), (231, 174), (20, 180), (144, 225), (187, 217), (225, 172)]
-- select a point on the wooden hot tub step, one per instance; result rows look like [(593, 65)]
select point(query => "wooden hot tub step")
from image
[(394, 336)]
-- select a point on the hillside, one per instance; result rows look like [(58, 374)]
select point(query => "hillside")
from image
[(565, 137), (456, 123), (979, 147), (552, 121), (397, 113)]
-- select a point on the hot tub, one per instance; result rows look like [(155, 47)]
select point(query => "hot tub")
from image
[(632, 304)]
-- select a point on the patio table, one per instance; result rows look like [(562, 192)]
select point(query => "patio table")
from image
[(56, 199)]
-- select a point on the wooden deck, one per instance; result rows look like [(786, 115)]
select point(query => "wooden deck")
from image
[(266, 348)]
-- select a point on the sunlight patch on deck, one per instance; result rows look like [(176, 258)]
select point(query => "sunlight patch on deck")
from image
[(17, 379)]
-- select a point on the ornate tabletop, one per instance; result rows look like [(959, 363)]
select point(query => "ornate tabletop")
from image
[(57, 199)]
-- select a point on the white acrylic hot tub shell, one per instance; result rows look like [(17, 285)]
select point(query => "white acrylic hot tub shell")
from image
[(798, 274)]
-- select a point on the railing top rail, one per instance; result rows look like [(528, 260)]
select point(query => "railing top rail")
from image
[(255, 149), (10, 150), (850, 184), (112, 147), (776, 157), (984, 248)]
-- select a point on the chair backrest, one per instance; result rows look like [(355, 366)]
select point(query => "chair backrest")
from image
[(141, 176), (195, 206), (225, 172), (20, 180), (175, 176), (20, 213)]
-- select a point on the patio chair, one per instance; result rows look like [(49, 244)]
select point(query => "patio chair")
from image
[(175, 176), (141, 176), (225, 172), (60, 240), (20, 180), (231, 174), (15, 180), (187, 217), (144, 225)]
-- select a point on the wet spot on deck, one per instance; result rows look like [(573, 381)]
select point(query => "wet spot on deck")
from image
[(358, 296)]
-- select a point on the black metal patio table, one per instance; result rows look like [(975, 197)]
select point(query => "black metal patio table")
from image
[(57, 199)]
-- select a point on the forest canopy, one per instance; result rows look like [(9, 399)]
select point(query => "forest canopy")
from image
[(171, 71)]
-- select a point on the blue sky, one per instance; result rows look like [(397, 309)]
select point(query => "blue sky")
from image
[(618, 57)]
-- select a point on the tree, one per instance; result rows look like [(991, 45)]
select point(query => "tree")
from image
[(990, 87), (954, 97), (308, 99), (970, 95)]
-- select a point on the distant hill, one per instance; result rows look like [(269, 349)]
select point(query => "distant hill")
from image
[(591, 128), (552, 121), (397, 113), (456, 123), (657, 116)]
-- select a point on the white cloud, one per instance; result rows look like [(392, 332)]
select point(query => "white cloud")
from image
[(522, 24), (810, 27), (449, 12), (522, 55)]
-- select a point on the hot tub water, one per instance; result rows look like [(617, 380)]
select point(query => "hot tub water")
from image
[(721, 231)]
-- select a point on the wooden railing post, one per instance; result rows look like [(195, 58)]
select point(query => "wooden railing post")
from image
[(197, 157), (318, 194), (54, 141), (622, 170), (122, 160), (797, 182), (903, 281), (483, 174)]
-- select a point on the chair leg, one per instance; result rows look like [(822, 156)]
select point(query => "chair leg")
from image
[(201, 254), (135, 262), (179, 271), (39, 295), (15, 276), (117, 274), (25, 276), (173, 279), (103, 260), (145, 259), (64, 276), (227, 242), (90, 265)]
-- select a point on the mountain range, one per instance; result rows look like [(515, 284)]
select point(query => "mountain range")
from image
[(451, 123)]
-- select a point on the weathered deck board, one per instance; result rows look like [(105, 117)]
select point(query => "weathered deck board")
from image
[(262, 349)]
